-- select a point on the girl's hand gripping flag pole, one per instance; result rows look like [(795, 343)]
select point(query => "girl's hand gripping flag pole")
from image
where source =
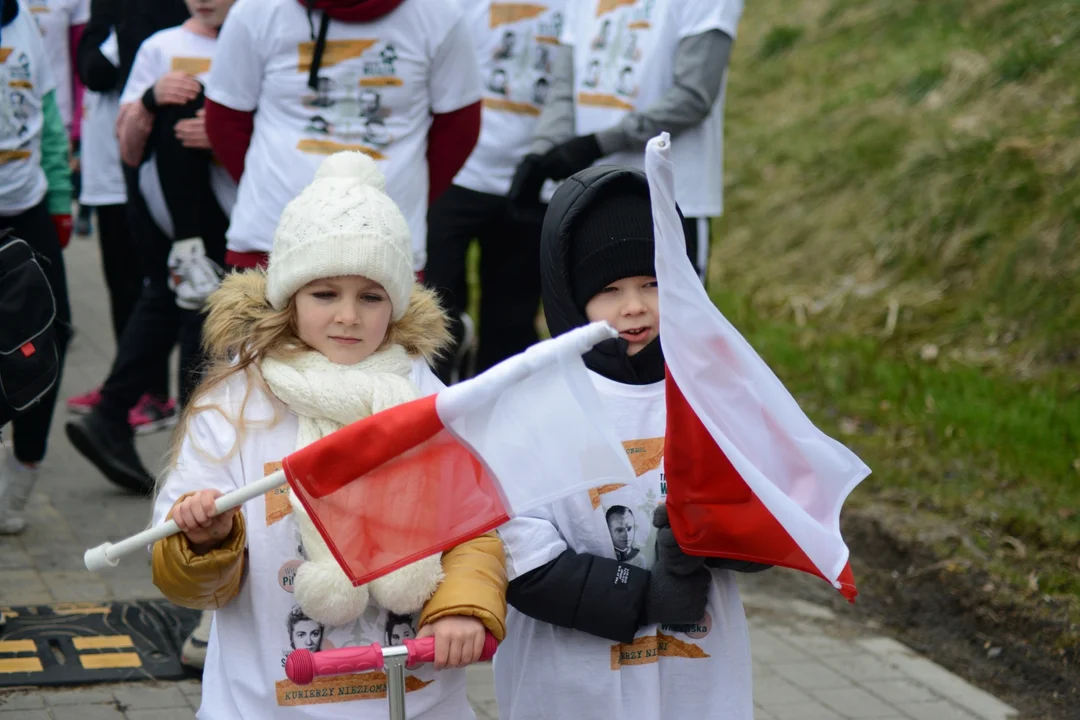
[(425, 476), (749, 475)]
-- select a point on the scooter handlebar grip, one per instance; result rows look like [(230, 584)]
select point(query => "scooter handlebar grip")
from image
[(423, 650), (303, 666)]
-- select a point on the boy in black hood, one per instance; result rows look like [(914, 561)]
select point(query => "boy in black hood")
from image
[(597, 263)]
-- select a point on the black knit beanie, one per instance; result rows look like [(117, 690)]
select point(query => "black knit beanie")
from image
[(612, 240)]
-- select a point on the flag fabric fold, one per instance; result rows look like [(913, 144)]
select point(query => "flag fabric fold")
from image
[(427, 475), (749, 475)]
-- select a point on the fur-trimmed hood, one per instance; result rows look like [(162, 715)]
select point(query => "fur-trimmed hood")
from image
[(239, 306)]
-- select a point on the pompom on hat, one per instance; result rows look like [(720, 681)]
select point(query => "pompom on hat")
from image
[(343, 223)]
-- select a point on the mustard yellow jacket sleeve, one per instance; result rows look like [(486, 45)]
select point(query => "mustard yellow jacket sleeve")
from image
[(475, 585), (200, 582)]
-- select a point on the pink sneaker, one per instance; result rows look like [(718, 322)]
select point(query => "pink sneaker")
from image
[(83, 404), (151, 415)]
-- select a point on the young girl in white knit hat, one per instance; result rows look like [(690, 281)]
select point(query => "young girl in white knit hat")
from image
[(333, 331)]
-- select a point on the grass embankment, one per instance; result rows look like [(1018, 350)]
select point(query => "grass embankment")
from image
[(900, 242)]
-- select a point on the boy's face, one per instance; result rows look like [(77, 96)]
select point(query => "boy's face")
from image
[(210, 13), (632, 306)]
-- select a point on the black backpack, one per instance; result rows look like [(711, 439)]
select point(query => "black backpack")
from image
[(29, 356)]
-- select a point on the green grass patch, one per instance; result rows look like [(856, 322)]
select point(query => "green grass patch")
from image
[(999, 456)]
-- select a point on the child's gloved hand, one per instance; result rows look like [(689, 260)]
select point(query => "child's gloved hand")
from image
[(668, 551), (678, 588), (459, 640), (197, 518)]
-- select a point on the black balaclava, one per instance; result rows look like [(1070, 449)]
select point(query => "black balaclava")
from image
[(598, 229)]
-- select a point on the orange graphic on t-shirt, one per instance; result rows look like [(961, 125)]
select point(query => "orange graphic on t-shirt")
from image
[(191, 65), (596, 492), (650, 648), (638, 25), (5, 53), (381, 81), (603, 100), (329, 147), (7, 156), (276, 500), (645, 454), (340, 688), (21, 84), (509, 13), (607, 6), (334, 52), (518, 108)]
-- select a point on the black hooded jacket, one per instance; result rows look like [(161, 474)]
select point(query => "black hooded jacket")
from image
[(578, 590)]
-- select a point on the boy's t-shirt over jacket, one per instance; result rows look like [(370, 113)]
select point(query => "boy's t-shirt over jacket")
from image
[(254, 633), (26, 79), (378, 84), (179, 49), (700, 670), (624, 60)]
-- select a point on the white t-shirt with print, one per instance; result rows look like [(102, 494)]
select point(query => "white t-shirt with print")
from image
[(252, 636), (102, 174), (378, 85), (624, 60), (55, 19), (700, 670), (167, 50), (25, 78), (515, 44)]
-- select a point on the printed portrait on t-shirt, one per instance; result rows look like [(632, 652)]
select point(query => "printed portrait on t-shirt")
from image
[(375, 133), (304, 633), (540, 91), (542, 63), (603, 36), (592, 74), (625, 86), (506, 47), (497, 81), (399, 628), (324, 89), (622, 526)]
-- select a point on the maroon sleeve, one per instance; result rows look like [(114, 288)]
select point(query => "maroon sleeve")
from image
[(230, 134), (451, 139), (74, 38)]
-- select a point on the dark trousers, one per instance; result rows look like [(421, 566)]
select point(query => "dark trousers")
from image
[(30, 431), (156, 324), (698, 243), (123, 273), (509, 272)]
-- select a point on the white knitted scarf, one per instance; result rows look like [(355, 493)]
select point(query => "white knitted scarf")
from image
[(325, 397)]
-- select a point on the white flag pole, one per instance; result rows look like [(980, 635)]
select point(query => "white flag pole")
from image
[(108, 555)]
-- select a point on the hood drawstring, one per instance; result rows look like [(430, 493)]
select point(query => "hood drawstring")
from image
[(320, 44)]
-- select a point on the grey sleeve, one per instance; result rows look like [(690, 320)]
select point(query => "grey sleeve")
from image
[(556, 122), (700, 64)]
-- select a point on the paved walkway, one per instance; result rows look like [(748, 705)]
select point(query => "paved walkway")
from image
[(808, 663)]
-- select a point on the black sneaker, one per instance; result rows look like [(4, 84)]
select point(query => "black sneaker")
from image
[(83, 225), (110, 447)]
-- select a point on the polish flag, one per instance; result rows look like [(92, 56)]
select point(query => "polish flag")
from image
[(749, 475), (422, 477)]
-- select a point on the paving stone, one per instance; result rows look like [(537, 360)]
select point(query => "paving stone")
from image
[(75, 587), (900, 692), (811, 675), (766, 647), (862, 666), (161, 714), (854, 703), (24, 715), (818, 645), (774, 692), (87, 712), (190, 688), (18, 700), (939, 710), (149, 697), (90, 696)]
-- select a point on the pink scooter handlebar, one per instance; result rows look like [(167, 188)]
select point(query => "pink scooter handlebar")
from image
[(303, 666)]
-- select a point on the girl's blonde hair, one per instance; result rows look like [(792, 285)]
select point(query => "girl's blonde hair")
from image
[(242, 327)]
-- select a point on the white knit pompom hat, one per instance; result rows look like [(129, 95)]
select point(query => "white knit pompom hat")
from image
[(343, 223)]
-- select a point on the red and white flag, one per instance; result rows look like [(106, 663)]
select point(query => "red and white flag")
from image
[(425, 476), (749, 475)]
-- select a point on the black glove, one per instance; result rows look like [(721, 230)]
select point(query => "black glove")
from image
[(668, 552), (562, 161), (678, 589), (523, 200)]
